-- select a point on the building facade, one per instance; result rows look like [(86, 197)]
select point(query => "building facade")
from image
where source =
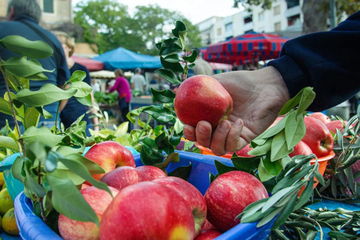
[(55, 12), (283, 18)]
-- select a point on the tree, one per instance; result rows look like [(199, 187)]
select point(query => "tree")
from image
[(108, 24), (155, 23), (315, 13)]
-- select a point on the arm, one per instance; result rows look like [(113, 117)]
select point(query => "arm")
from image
[(326, 61), (115, 86)]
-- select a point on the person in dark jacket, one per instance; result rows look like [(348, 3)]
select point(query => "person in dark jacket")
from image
[(326, 61), (23, 19), (73, 109)]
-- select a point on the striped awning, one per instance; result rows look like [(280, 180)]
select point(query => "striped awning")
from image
[(247, 48)]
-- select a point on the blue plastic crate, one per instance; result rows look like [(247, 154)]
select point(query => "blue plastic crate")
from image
[(33, 228)]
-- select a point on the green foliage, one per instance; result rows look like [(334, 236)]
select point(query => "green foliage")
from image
[(51, 178), (138, 33), (106, 98)]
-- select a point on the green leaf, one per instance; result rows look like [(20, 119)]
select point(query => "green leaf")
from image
[(274, 168), (180, 32), (47, 94), (272, 131), (319, 177), (51, 162), (21, 67), (192, 57), (149, 153), (307, 97), (83, 89), (75, 163), (172, 58), (245, 164), (294, 129), (278, 147), (268, 218), (32, 49), (77, 76), (161, 114), (285, 213), (223, 168), (122, 129), (9, 142), (291, 179), (86, 101), (43, 112), (169, 46), (164, 96), (31, 118), (252, 208), (169, 75), (32, 184), (276, 197), (306, 194), (261, 149), (43, 135), (6, 108), (175, 67), (67, 200), (182, 172), (17, 169), (264, 175), (292, 103)]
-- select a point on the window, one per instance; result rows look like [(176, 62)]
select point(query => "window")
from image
[(276, 10), (219, 31), (247, 20), (293, 20), (48, 6), (292, 3), (228, 27), (261, 16), (278, 26)]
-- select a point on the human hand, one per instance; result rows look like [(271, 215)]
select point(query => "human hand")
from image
[(258, 96)]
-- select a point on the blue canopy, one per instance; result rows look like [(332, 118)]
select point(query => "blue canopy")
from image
[(126, 59)]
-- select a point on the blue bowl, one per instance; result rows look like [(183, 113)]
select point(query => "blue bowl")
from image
[(33, 228)]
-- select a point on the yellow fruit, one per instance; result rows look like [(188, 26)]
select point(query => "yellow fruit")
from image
[(5, 201), (2, 180), (9, 223), (0, 224)]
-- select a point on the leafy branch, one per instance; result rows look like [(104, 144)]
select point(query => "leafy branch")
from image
[(157, 146)]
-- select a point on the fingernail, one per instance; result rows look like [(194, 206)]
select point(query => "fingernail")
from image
[(201, 128), (223, 126), (238, 122)]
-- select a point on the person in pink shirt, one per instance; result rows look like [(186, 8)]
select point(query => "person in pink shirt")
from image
[(122, 86)]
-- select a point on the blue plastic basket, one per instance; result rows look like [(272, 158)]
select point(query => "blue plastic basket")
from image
[(33, 228), (13, 185)]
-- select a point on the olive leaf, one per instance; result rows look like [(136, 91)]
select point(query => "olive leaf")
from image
[(169, 75), (164, 96)]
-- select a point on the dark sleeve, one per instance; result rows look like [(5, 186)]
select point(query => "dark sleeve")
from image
[(326, 61)]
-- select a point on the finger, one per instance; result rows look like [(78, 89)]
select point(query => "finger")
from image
[(219, 137), (203, 133), (189, 133), (233, 140)]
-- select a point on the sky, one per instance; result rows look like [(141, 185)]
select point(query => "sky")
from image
[(194, 10)]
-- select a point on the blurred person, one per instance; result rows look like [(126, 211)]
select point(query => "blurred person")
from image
[(138, 81), (201, 67), (95, 85), (72, 108), (23, 18), (122, 86), (326, 61)]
